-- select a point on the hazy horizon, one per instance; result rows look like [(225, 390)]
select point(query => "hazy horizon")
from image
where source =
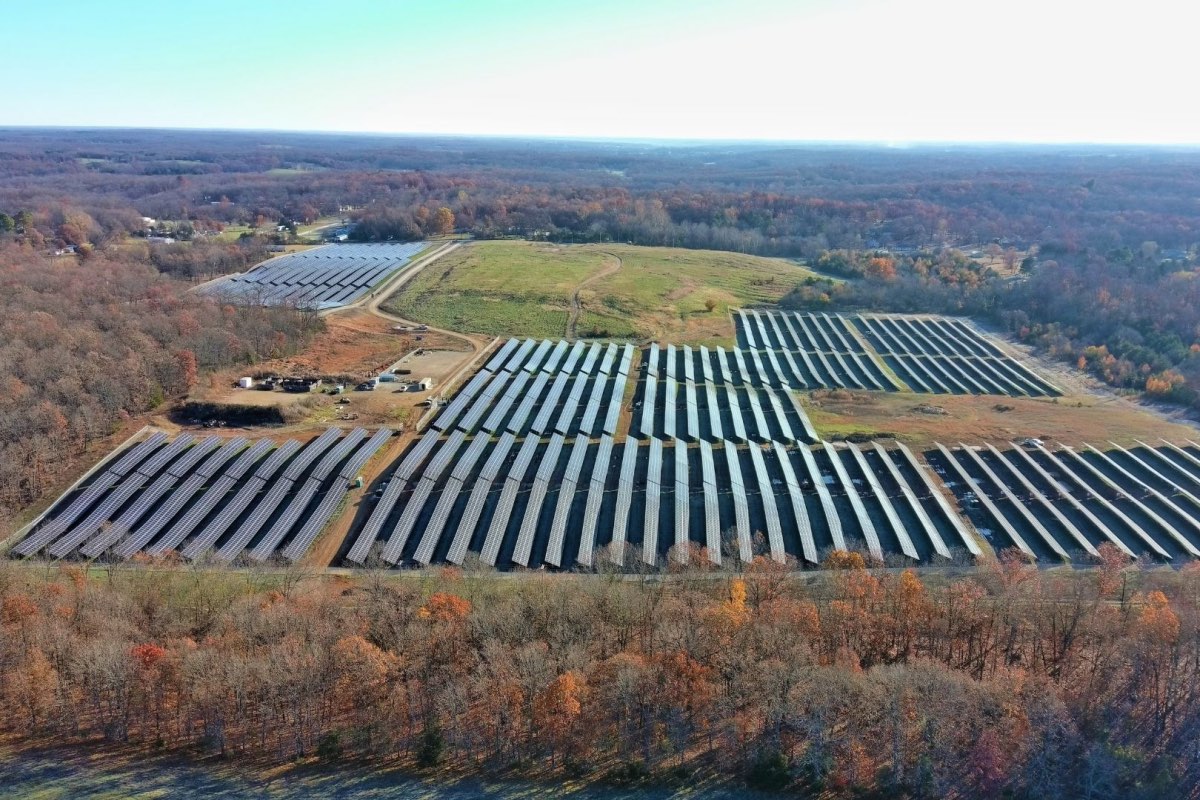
[(812, 72)]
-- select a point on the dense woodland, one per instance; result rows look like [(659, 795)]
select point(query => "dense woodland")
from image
[(1011, 682)]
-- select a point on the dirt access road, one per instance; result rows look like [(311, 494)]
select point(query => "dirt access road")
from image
[(372, 302), (577, 303)]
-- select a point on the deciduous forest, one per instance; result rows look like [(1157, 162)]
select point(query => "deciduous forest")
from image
[(1008, 683)]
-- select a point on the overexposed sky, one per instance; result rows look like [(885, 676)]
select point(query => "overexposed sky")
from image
[(866, 70)]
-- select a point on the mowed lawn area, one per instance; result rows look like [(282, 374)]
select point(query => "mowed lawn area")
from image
[(515, 288)]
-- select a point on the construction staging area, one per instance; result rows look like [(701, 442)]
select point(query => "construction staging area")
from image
[(321, 278)]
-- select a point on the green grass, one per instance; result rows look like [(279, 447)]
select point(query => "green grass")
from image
[(233, 232), (516, 288), (499, 288)]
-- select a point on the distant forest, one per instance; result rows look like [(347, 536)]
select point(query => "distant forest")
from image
[(1087, 253)]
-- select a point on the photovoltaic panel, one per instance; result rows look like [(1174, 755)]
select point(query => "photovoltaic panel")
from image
[(522, 353), (539, 355), (967, 540), (741, 508), (606, 363), (416, 456), (537, 499), (589, 361), (653, 496), (770, 510), (648, 403), (669, 402), (808, 545), (595, 497), (918, 510), (475, 503), (300, 501), (147, 498), (716, 430), (204, 506), (519, 417), (626, 359), (613, 415), (573, 356), (490, 392), (682, 501), (555, 357), (735, 414), (595, 404), (995, 513), (830, 510), (571, 406), (1065, 493), (712, 514), (508, 496), (566, 498), (624, 499), (501, 410)]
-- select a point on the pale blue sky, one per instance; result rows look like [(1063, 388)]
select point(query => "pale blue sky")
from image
[(921, 70)]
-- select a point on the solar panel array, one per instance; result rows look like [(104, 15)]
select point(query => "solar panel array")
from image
[(932, 354), (807, 351), (322, 277), (198, 496), (543, 387), (549, 501), (527, 467), (711, 395), (1061, 504), (530, 465), (942, 355)]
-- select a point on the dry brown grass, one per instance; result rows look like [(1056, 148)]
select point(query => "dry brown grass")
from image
[(970, 418)]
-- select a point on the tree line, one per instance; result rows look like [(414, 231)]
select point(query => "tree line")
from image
[(1010, 682)]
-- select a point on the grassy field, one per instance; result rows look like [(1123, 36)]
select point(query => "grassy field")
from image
[(526, 289), (922, 419)]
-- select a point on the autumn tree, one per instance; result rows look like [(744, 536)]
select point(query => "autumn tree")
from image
[(443, 221)]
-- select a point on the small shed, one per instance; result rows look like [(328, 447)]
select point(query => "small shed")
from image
[(246, 383), (423, 385)]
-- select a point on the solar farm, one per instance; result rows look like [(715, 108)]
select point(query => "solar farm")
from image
[(320, 278), (928, 354), (581, 455)]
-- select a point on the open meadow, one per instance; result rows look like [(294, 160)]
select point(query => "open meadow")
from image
[(615, 291)]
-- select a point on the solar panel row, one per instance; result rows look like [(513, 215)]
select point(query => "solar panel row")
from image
[(320, 278)]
